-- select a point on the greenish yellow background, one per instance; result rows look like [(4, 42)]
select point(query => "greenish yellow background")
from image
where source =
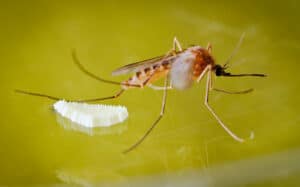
[(37, 37)]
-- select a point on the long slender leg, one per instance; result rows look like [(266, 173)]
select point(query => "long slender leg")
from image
[(84, 100), (176, 44), (208, 85), (229, 92), (84, 70), (155, 122), (202, 74), (159, 87), (70, 100), (118, 94), (209, 48), (233, 92), (38, 95)]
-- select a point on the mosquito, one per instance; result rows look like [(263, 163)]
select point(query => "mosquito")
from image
[(179, 67)]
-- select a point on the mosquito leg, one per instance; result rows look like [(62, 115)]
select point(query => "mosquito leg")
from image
[(228, 92), (118, 94), (233, 92), (159, 87), (176, 44), (85, 71), (208, 85), (209, 48), (202, 74), (70, 100), (155, 122), (38, 95)]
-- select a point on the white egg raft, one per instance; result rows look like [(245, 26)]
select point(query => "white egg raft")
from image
[(91, 115)]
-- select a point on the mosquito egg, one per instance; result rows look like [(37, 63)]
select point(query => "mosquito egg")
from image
[(91, 115)]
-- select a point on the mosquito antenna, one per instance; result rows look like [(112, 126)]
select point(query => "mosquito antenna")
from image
[(235, 50), (84, 70)]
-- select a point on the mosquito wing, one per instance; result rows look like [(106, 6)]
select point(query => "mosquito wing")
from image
[(134, 67)]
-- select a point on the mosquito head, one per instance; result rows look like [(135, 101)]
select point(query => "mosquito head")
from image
[(220, 71)]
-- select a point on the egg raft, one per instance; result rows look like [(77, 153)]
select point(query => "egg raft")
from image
[(91, 115)]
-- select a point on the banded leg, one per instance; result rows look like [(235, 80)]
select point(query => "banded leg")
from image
[(155, 122), (208, 86)]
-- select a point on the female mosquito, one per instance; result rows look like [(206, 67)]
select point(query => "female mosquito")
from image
[(180, 68)]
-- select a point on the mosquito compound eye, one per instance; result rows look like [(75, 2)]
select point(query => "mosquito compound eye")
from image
[(219, 70)]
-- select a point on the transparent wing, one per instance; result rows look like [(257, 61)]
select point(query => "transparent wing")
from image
[(137, 66), (134, 67)]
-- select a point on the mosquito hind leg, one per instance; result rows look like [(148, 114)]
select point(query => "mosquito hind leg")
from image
[(92, 75), (38, 95), (118, 94), (208, 86), (70, 100)]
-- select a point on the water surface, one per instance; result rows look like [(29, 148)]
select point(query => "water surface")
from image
[(37, 37)]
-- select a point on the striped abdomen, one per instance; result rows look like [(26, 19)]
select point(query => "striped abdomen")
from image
[(148, 75)]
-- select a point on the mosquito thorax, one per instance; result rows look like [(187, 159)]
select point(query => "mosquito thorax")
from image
[(188, 66), (203, 58)]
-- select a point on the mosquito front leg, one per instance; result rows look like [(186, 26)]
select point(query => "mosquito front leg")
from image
[(208, 86), (163, 104), (202, 74), (228, 92), (233, 92)]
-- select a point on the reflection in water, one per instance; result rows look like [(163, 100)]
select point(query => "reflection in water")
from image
[(91, 131), (71, 179), (263, 169)]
